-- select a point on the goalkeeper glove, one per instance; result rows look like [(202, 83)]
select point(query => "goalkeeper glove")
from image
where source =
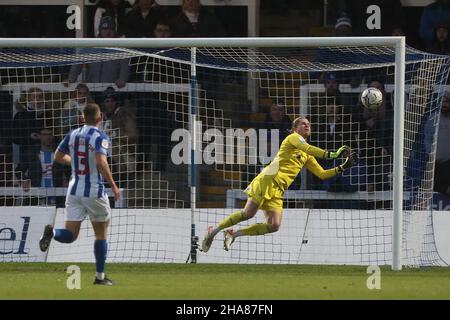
[(349, 162), (336, 154)]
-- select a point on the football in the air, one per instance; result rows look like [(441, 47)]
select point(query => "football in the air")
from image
[(372, 98)]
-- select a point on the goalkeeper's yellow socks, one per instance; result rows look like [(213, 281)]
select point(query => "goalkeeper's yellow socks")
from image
[(232, 219), (229, 221), (253, 230)]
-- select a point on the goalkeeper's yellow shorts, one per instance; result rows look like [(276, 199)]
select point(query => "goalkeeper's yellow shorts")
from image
[(266, 193)]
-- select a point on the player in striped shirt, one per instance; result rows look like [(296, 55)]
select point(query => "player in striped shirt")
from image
[(85, 150)]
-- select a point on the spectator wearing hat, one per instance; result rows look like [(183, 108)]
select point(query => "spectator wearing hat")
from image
[(343, 26), (108, 71), (119, 122), (116, 116), (116, 9)]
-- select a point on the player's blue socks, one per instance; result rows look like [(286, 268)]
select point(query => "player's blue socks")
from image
[(63, 235), (100, 251)]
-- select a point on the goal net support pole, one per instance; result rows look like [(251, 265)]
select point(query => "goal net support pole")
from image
[(399, 108)]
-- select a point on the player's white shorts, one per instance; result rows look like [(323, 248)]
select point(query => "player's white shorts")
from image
[(77, 208)]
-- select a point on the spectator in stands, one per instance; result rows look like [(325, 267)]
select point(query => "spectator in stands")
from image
[(163, 29), (117, 9), (116, 116), (335, 128), (153, 69), (441, 42), (443, 146), (195, 20), (109, 71), (27, 122), (378, 144), (36, 169), (119, 122), (330, 130), (434, 12), (276, 119), (141, 20), (72, 112), (442, 177), (379, 122), (332, 93), (331, 84)]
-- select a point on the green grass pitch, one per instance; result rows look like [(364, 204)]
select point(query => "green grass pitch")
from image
[(219, 281)]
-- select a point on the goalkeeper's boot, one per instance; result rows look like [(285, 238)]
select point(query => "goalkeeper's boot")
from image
[(228, 239), (207, 241), (105, 281), (46, 238)]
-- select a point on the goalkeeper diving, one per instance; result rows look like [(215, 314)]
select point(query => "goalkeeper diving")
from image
[(266, 190)]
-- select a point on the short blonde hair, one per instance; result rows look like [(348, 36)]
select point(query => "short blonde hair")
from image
[(91, 113), (297, 120)]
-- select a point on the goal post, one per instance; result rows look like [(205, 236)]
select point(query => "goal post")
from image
[(196, 102), (399, 108)]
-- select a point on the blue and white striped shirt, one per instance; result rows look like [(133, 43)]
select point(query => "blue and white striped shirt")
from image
[(46, 158), (82, 145)]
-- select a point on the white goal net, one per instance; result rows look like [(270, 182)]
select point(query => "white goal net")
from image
[(236, 105)]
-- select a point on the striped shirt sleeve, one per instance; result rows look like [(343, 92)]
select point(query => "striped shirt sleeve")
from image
[(102, 144), (64, 144)]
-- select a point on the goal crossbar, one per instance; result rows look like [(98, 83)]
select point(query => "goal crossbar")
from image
[(201, 42)]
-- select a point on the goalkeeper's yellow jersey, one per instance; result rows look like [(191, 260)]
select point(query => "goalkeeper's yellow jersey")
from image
[(293, 155)]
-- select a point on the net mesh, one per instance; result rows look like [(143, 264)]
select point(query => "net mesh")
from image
[(246, 99)]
